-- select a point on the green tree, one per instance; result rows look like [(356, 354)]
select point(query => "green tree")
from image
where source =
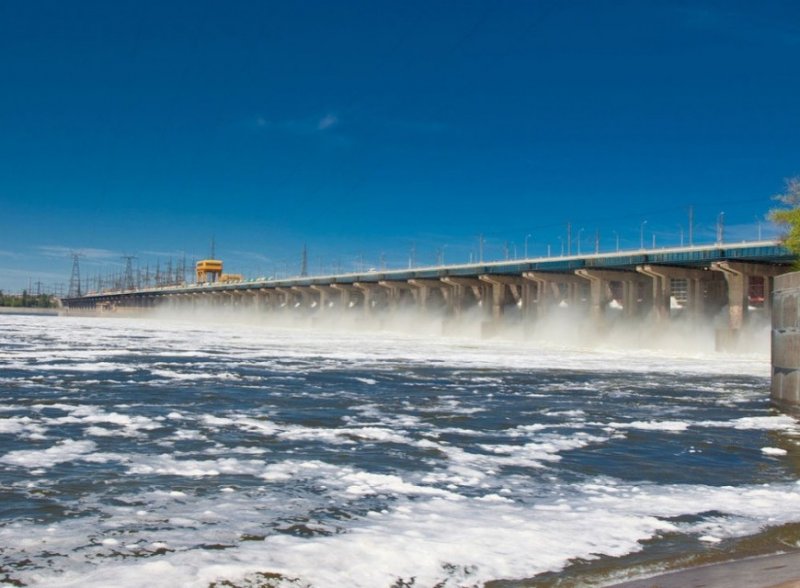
[(789, 217)]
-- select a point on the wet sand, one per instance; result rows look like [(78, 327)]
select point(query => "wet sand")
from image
[(770, 571)]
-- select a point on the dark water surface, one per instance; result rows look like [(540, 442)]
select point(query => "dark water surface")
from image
[(140, 452)]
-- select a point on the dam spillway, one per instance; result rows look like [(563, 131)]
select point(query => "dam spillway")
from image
[(699, 280)]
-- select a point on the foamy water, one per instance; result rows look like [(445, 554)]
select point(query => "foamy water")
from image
[(158, 453)]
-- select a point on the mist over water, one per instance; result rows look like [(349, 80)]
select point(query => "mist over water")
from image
[(192, 448)]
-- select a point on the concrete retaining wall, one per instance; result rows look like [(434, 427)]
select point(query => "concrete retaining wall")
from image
[(786, 341)]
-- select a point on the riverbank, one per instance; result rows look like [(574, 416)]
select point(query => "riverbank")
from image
[(29, 310), (769, 571)]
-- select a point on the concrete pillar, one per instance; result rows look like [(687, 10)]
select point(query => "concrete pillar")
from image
[(395, 290), (659, 292), (238, 299), (542, 296), (737, 275), (424, 288), (287, 297), (529, 291), (599, 295), (502, 287), (370, 292), (307, 297), (347, 294), (601, 292), (325, 294), (696, 280), (554, 288), (259, 300), (459, 287)]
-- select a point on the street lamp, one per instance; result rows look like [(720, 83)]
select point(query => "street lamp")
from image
[(528, 237), (616, 238), (561, 242), (720, 228), (641, 234)]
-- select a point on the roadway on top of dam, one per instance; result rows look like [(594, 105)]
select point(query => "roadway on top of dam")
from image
[(698, 256)]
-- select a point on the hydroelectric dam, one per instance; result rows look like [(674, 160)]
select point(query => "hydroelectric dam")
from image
[(652, 284)]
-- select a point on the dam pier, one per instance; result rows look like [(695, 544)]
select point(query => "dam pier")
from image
[(699, 281)]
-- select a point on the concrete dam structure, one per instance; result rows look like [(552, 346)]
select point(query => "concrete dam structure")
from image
[(700, 281), (786, 341)]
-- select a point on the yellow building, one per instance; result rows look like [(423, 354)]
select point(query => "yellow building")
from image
[(209, 270)]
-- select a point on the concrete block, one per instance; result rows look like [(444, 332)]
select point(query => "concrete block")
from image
[(790, 281), (777, 310), (786, 349), (787, 315), (790, 390), (776, 387)]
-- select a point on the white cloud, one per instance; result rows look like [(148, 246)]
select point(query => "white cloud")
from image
[(22, 273), (86, 252), (304, 126), (174, 254), (252, 255), (327, 121)]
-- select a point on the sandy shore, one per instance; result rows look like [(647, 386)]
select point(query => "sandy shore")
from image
[(769, 571)]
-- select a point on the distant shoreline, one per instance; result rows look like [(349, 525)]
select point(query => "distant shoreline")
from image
[(29, 310)]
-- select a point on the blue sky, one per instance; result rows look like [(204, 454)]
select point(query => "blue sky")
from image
[(367, 128)]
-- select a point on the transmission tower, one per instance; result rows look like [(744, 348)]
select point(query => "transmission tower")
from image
[(128, 282), (182, 270), (304, 263), (75, 279)]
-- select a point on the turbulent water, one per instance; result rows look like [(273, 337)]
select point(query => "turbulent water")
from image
[(157, 453)]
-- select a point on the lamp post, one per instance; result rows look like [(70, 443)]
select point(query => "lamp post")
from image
[(561, 242), (641, 234), (720, 228), (441, 254), (616, 238), (569, 239), (526, 244)]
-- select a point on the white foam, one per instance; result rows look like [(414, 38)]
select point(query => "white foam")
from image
[(167, 465), (65, 451), (673, 426), (764, 423), (431, 537), (471, 512), (773, 451)]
